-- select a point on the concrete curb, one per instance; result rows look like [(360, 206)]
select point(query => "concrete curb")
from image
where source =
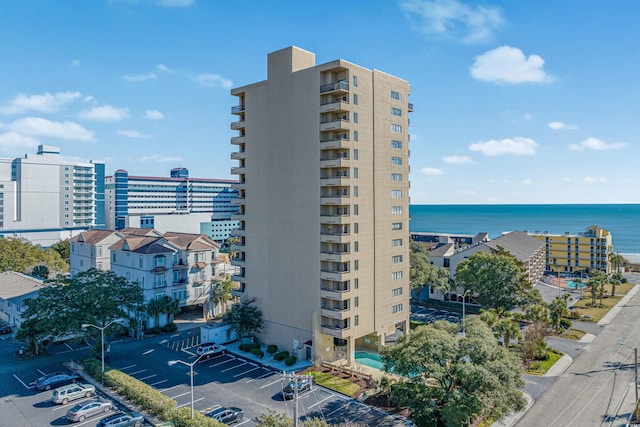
[(512, 419), (559, 367), (587, 338), (616, 308)]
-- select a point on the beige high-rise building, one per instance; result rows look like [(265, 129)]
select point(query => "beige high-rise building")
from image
[(323, 171)]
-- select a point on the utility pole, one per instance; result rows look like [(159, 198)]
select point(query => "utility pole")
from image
[(293, 380)]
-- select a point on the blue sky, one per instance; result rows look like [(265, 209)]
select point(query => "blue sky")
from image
[(514, 101)]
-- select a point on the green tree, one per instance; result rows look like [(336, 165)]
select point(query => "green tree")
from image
[(63, 248), (490, 317), (93, 296), (423, 273), (450, 379), (164, 305), (596, 285), (41, 271), (221, 292), (537, 313), (617, 261), (558, 309), (508, 330), (244, 318), (498, 279), (22, 256), (277, 419)]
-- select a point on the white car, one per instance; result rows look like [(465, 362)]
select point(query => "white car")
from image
[(210, 350)]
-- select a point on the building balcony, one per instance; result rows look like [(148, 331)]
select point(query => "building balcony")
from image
[(239, 201), (334, 124), (338, 162), (335, 219), (338, 331), (238, 170), (238, 262), (238, 216), (334, 200), (341, 86), (410, 107), (338, 105), (238, 109), (238, 155), (237, 140), (239, 232), (341, 181), (238, 278), (329, 237), (238, 186), (341, 294), (336, 313), (238, 125), (180, 265), (336, 275), (335, 256), (337, 141)]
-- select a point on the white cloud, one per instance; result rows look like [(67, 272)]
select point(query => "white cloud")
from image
[(566, 179), (105, 113), (213, 80), (153, 115), (458, 160), (527, 181), (518, 146), (561, 126), (44, 103), (173, 3), (453, 19), (164, 68), (594, 180), (38, 126), (431, 171), (527, 116), (133, 134), (12, 141), (596, 144), (509, 65), (75, 63), (155, 158), (139, 77)]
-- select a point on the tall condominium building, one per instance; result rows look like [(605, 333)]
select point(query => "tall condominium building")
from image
[(45, 199), (178, 203), (578, 253), (324, 204)]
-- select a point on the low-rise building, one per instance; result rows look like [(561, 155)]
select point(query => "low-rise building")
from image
[(14, 289), (577, 253)]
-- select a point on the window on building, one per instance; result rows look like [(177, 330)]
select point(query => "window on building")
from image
[(396, 308), (356, 301), (356, 265), (396, 95), (159, 281), (355, 173), (396, 210), (355, 81), (81, 263), (396, 194), (355, 191), (396, 259), (445, 262), (396, 275), (99, 266), (355, 117), (159, 261), (355, 283), (396, 111), (356, 320), (396, 226), (113, 257), (355, 136), (355, 210), (355, 99), (355, 154), (396, 160), (396, 177), (356, 246), (396, 128), (396, 242), (99, 250), (355, 228), (396, 292), (396, 144)]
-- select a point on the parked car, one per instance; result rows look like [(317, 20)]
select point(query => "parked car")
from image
[(5, 329), (122, 419), (87, 409), (54, 380), (210, 350), (304, 384), (72, 391), (226, 415)]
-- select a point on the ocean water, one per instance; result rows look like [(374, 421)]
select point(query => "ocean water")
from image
[(623, 221)]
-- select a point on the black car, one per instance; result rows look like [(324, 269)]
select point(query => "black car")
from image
[(122, 419), (54, 380), (226, 415), (5, 329)]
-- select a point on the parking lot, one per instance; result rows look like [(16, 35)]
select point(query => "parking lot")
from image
[(429, 315)]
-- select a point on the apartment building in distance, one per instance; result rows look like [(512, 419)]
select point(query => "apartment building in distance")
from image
[(177, 203), (323, 168), (577, 253), (45, 199)]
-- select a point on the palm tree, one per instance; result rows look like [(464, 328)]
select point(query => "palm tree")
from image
[(617, 260), (154, 308), (158, 306), (490, 317), (596, 283), (558, 308), (507, 329), (221, 293)]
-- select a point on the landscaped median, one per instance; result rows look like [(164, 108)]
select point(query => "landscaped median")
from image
[(584, 310), (146, 397)]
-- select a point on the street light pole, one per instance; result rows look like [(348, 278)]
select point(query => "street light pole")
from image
[(190, 365), (86, 325)]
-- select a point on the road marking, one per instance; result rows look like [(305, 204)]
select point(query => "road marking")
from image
[(137, 372), (317, 403), (126, 367), (156, 383), (26, 386), (63, 352), (272, 383), (210, 408), (189, 403), (147, 377), (167, 389), (175, 335), (335, 410), (147, 352), (221, 363), (246, 372), (245, 421), (179, 395), (261, 376), (71, 348), (252, 364), (41, 373), (163, 342), (188, 352), (234, 367)]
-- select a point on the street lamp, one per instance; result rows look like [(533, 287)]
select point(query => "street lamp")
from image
[(464, 297), (86, 325), (635, 377), (190, 365)]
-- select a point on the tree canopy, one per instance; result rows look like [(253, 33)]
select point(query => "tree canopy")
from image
[(244, 318), (277, 419), (498, 279), (451, 379), (423, 273), (22, 256), (93, 296)]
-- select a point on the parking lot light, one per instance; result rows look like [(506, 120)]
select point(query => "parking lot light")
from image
[(87, 325), (190, 365)]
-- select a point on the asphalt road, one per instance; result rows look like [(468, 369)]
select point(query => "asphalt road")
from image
[(598, 388)]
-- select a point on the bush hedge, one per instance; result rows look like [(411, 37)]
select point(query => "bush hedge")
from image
[(153, 331), (272, 348), (147, 398), (249, 346), (169, 327), (257, 352), (281, 355), (290, 360)]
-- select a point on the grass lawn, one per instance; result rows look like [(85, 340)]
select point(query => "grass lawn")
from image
[(597, 313), (340, 385), (542, 366), (573, 334)]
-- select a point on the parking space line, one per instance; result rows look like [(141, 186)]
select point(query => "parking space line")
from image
[(159, 382), (188, 352), (221, 363), (252, 364), (317, 403), (261, 376), (41, 373), (234, 367), (126, 367), (174, 335), (147, 352), (246, 372), (163, 342), (70, 348), (335, 410), (189, 403), (146, 378), (271, 383), (137, 372), (21, 382), (179, 395), (169, 388), (245, 421)]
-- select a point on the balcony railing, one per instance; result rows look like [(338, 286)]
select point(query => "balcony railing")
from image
[(341, 85), (237, 109)]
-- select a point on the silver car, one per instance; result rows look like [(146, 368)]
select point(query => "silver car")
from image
[(87, 409)]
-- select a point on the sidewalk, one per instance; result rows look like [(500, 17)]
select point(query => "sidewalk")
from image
[(607, 318)]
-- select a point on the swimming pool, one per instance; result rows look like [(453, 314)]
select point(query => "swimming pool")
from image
[(575, 284), (371, 360)]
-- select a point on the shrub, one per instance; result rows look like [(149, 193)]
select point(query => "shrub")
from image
[(169, 327), (154, 331), (249, 346), (181, 417), (565, 323), (415, 323), (281, 355), (272, 348), (257, 352), (290, 360)]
